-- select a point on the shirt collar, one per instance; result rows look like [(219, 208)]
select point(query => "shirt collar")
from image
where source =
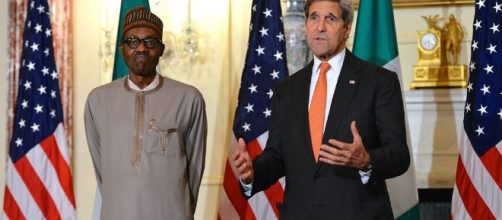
[(335, 62), (150, 86)]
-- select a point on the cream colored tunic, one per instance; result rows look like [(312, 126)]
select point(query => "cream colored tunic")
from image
[(148, 149)]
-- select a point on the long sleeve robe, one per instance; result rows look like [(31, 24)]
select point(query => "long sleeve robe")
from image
[(148, 149)]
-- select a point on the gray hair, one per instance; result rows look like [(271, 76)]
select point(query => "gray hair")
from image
[(345, 5)]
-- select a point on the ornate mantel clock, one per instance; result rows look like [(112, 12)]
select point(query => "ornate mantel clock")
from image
[(434, 69)]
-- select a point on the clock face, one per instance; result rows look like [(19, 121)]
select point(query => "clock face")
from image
[(429, 41)]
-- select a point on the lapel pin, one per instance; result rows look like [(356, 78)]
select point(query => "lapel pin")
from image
[(352, 82)]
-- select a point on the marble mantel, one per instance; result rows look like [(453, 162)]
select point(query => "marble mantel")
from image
[(435, 121)]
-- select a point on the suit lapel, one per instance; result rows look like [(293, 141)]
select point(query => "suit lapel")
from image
[(302, 90), (346, 86)]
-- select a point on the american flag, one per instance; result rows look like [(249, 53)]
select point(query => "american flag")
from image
[(477, 193), (265, 65), (39, 183)]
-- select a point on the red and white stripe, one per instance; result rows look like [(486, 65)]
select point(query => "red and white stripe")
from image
[(477, 193), (262, 205), (39, 185)]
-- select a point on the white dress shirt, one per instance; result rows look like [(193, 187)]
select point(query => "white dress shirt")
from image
[(331, 76)]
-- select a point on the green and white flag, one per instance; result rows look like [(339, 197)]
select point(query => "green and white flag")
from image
[(375, 41), (119, 66)]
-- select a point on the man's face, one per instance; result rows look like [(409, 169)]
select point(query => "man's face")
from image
[(326, 31), (142, 60)]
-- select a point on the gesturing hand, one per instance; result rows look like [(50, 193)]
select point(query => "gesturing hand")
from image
[(241, 163), (346, 154)]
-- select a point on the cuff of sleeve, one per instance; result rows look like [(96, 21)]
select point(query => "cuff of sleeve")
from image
[(365, 175), (248, 188)]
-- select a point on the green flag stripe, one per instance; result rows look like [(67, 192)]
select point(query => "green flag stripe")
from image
[(119, 66), (375, 40), (412, 214)]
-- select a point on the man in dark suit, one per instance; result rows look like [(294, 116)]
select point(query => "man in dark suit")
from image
[(337, 129)]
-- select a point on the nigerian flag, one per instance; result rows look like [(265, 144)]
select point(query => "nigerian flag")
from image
[(375, 41), (119, 66)]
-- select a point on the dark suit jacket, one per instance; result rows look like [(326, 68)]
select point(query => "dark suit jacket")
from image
[(366, 93)]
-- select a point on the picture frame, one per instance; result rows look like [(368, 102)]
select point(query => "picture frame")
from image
[(423, 3)]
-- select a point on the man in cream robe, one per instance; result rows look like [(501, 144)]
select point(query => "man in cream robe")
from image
[(146, 134)]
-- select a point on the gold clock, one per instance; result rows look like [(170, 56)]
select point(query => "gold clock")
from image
[(430, 49), (433, 69), (429, 41)]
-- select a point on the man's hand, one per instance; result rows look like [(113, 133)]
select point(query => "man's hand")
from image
[(241, 163), (346, 154)]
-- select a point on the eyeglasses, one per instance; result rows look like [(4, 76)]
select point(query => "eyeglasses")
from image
[(150, 43)]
